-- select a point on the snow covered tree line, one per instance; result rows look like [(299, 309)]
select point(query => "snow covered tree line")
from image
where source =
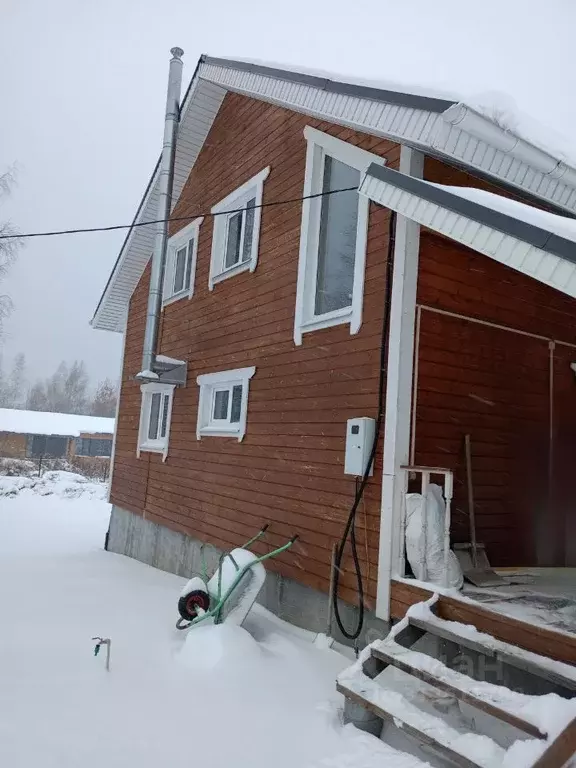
[(67, 390)]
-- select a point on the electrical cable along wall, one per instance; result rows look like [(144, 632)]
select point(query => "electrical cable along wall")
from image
[(349, 529)]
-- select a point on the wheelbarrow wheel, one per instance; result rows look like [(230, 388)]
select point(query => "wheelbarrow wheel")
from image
[(188, 604)]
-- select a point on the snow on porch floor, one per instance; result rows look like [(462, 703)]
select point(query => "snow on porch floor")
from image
[(230, 698), (545, 596)]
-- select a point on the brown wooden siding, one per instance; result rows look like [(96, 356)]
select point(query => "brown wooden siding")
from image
[(13, 446), (288, 470), (495, 385)]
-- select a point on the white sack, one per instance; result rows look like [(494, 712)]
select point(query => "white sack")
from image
[(434, 544)]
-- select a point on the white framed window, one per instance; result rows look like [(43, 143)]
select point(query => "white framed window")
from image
[(155, 415), (237, 230), (223, 404), (180, 270), (333, 235)]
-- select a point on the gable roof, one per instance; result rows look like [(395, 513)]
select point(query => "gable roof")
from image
[(534, 242), (61, 424), (444, 128)]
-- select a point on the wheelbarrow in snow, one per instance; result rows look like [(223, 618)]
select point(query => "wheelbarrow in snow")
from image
[(231, 591)]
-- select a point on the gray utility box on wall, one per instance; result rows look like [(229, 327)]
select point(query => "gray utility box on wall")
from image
[(359, 441)]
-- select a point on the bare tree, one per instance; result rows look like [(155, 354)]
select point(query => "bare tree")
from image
[(63, 392), (37, 400), (104, 403), (16, 385), (8, 247), (75, 388)]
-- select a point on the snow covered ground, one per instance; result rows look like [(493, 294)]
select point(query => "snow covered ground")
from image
[(223, 696)]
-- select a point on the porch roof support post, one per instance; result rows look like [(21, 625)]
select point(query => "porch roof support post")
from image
[(398, 389)]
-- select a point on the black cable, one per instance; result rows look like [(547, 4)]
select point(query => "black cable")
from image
[(173, 218), (350, 530)]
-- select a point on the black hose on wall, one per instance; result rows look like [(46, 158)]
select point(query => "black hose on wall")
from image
[(349, 530)]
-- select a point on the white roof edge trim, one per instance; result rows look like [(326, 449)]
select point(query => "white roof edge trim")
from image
[(459, 134), (546, 267)]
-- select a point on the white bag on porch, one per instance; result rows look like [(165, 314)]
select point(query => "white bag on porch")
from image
[(428, 548)]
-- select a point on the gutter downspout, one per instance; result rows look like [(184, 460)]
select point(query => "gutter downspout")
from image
[(165, 180)]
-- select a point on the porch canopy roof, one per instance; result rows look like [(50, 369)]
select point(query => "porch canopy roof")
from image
[(534, 242)]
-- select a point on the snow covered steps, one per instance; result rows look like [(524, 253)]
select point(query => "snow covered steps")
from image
[(370, 704), (462, 750), (495, 700), (422, 620)]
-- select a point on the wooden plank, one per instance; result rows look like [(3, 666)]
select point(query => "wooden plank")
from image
[(540, 640), (560, 750), (422, 738), (451, 636), (457, 688)]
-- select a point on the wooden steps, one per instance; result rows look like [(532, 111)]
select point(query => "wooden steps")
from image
[(563, 675), (366, 695), (427, 730), (487, 697)]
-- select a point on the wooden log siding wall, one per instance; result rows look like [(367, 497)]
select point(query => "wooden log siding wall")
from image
[(289, 468)]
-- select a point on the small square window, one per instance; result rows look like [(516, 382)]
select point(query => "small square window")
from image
[(223, 405), (180, 265), (155, 416), (236, 230)]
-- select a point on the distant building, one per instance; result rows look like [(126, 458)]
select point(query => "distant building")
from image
[(35, 434)]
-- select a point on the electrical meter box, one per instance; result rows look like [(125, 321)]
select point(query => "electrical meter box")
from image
[(359, 441)]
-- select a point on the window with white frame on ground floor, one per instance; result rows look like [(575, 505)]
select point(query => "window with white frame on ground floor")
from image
[(237, 230), (155, 414), (180, 266), (223, 403), (333, 235)]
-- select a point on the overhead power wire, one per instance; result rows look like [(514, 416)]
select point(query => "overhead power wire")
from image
[(191, 217)]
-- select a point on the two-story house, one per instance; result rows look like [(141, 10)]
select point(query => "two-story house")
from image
[(338, 251)]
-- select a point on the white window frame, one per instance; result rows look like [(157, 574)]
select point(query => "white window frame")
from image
[(181, 239), (230, 205), (210, 383), (160, 444), (321, 145)]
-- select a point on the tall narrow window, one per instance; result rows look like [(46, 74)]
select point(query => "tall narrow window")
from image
[(333, 235), (155, 413), (181, 263), (337, 241), (236, 230)]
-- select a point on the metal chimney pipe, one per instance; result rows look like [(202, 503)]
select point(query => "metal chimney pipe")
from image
[(165, 179)]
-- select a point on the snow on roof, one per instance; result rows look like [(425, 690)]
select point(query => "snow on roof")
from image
[(65, 424), (496, 105), (563, 226), (369, 82)]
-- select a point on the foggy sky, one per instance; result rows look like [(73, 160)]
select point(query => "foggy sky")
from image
[(82, 89)]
